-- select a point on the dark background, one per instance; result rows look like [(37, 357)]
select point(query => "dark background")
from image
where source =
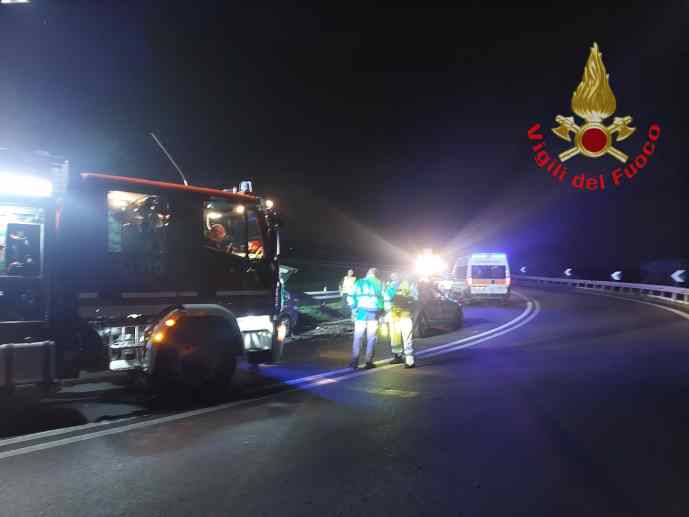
[(378, 131)]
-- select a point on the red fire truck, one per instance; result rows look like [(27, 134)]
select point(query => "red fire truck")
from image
[(100, 271)]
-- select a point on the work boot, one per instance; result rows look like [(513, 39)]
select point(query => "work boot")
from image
[(354, 364), (409, 362), (370, 365), (397, 359)]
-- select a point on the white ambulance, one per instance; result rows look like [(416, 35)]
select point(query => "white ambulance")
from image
[(482, 275)]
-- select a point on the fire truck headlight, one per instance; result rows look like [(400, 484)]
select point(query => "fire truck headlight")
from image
[(22, 185), (270, 204), (255, 323)]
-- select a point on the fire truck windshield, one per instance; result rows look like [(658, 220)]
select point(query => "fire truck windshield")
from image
[(233, 228), (21, 233)]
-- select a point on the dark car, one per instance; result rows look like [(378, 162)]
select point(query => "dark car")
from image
[(437, 312)]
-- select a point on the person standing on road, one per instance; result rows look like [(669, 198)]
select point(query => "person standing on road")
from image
[(390, 287), (401, 300), (346, 290), (367, 305)]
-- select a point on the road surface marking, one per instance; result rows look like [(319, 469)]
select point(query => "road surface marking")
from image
[(311, 381), (61, 430), (404, 394)]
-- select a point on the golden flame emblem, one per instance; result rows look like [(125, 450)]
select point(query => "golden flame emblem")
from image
[(594, 101)]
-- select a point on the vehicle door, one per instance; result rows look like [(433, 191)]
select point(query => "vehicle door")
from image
[(237, 256), (23, 237)]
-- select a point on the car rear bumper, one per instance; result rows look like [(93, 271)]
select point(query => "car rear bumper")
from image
[(489, 292)]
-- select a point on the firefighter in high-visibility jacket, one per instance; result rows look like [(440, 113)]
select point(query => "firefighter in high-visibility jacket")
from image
[(346, 290), (401, 300), (367, 306)]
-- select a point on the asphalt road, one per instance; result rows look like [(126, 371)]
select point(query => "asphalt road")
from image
[(572, 404)]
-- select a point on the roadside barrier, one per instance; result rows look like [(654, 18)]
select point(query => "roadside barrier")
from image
[(664, 292)]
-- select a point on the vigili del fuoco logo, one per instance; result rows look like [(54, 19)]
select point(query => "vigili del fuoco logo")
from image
[(593, 101)]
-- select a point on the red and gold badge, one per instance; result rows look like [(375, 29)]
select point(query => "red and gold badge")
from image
[(594, 101)]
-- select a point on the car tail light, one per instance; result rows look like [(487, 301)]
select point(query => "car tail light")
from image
[(508, 281), (470, 281)]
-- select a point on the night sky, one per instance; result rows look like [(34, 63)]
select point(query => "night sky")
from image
[(379, 131)]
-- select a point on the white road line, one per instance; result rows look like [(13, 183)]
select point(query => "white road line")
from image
[(60, 431), (531, 311), (644, 302), (536, 311)]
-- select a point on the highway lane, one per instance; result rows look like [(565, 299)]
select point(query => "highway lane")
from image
[(582, 411), (103, 401)]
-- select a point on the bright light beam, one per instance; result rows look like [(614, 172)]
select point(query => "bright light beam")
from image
[(22, 185)]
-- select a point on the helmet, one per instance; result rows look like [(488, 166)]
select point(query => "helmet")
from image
[(217, 232)]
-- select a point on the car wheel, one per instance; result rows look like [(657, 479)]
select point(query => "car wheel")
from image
[(460, 319), (422, 325)]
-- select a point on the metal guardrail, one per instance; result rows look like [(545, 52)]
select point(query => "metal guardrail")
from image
[(323, 295), (665, 292), (343, 265)]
